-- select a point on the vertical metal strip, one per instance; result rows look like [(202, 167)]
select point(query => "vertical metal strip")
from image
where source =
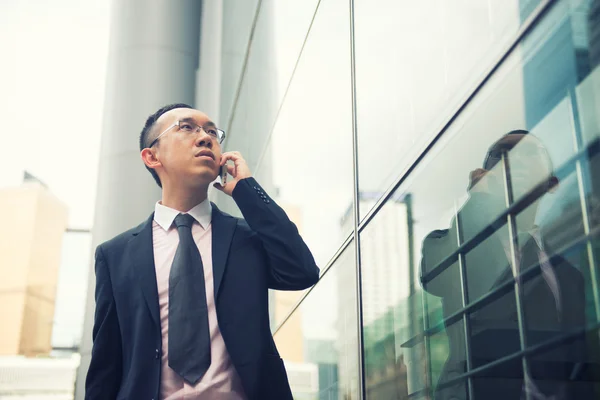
[(361, 362), (583, 198), (513, 241), (462, 265), (414, 322), (427, 347)]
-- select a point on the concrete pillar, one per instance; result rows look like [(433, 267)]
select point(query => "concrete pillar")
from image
[(153, 57)]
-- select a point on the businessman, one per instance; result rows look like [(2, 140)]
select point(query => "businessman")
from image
[(553, 300), (182, 299)]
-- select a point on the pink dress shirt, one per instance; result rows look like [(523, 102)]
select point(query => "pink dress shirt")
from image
[(221, 381)]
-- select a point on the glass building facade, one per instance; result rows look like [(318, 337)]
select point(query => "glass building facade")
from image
[(440, 159), (458, 260)]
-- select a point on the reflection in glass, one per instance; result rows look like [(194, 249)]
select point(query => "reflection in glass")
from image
[(391, 305), (524, 293), (416, 62), (502, 234)]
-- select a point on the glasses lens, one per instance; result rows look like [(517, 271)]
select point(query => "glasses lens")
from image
[(220, 135)]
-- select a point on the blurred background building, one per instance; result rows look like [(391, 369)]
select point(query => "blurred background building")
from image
[(29, 261), (362, 118)]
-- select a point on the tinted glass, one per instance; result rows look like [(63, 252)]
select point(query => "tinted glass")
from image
[(492, 239)]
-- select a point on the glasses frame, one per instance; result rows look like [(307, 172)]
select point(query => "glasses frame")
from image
[(199, 127)]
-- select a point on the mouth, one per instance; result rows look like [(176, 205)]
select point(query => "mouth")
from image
[(206, 153)]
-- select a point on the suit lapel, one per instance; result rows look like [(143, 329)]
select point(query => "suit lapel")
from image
[(223, 227), (142, 256)]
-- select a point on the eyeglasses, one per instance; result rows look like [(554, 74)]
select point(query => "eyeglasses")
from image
[(193, 128)]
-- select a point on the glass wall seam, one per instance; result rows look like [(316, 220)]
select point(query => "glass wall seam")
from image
[(527, 26), (361, 362)]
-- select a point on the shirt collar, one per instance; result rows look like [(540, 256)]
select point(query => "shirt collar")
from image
[(164, 216)]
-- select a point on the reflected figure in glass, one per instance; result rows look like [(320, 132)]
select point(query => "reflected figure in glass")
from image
[(494, 261)]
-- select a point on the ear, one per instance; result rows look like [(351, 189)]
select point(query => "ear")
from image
[(150, 159), (553, 184)]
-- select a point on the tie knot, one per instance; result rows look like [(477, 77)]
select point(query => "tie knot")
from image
[(184, 220)]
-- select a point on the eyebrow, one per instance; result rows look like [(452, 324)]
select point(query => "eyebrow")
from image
[(190, 119)]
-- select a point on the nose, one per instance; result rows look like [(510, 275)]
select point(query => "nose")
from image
[(203, 139)]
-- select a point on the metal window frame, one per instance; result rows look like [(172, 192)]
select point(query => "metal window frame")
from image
[(362, 390)]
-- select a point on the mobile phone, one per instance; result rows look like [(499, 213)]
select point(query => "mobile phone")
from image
[(223, 174)]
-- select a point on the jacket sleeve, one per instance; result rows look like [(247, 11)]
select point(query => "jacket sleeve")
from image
[(104, 374), (291, 265)]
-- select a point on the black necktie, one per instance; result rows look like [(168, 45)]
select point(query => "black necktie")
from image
[(189, 336)]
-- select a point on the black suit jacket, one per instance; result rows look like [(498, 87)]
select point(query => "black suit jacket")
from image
[(250, 255)]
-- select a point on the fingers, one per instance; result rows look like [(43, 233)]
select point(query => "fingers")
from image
[(234, 156), (475, 176), (240, 168)]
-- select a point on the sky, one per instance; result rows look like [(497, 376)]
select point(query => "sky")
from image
[(54, 69), (52, 78)]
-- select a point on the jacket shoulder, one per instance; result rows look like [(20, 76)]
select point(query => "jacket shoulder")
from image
[(241, 224), (119, 241)]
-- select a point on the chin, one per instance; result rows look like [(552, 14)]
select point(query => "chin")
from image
[(203, 177)]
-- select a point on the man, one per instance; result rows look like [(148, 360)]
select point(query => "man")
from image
[(553, 299), (182, 299)]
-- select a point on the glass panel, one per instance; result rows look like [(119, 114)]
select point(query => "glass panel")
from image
[(319, 342), (308, 159), (415, 63), (281, 28), (499, 225), (392, 309)]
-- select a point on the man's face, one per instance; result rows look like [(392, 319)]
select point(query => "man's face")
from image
[(527, 159), (186, 156)]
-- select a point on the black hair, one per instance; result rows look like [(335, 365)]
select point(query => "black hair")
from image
[(553, 181), (145, 139), (513, 132)]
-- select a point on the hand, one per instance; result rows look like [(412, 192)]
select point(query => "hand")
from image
[(476, 184), (239, 170)]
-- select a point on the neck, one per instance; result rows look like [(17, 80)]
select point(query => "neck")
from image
[(183, 199)]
